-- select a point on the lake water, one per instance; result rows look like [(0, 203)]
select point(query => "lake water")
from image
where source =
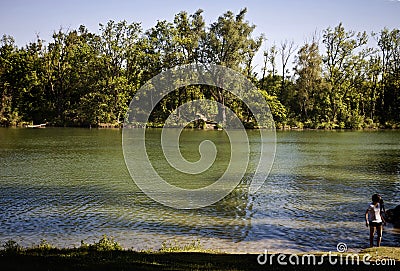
[(66, 185)]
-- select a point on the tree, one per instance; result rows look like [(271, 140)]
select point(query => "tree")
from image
[(167, 45), (371, 88), (339, 62), (308, 69), (117, 41), (269, 57), (189, 31), (389, 45), (286, 50), (32, 104), (229, 43), (8, 51), (81, 78)]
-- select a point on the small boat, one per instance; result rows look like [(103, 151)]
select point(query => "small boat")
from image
[(43, 125)]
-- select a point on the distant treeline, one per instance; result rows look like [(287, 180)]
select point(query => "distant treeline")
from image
[(79, 78)]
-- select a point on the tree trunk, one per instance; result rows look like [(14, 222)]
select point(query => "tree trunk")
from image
[(221, 109)]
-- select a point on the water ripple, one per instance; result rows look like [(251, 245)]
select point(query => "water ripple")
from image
[(67, 185)]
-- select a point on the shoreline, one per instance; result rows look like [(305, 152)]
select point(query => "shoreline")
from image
[(48, 258), (120, 127), (106, 254)]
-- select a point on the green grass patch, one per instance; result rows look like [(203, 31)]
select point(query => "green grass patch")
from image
[(107, 254)]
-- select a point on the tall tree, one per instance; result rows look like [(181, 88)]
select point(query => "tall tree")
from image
[(339, 62), (308, 69), (229, 43), (117, 43), (286, 50), (189, 30), (389, 45), (8, 78)]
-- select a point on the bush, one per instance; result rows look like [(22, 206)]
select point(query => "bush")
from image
[(12, 247), (104, 244), (391, 125), (309, 124), (45, 246), (355, 122), (248, 125), (370, 124), (327, 125)]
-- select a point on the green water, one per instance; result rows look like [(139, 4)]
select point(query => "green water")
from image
[(66, 185)]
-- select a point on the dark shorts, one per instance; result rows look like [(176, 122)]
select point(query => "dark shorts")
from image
[(375, 224)]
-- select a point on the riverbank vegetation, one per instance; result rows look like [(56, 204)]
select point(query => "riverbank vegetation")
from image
[(337, 79), (106, 254)]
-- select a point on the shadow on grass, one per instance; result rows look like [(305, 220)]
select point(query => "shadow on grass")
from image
[(106, 254)]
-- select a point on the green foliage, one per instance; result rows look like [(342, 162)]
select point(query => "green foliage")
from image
[(44, 246), (104, 244), (81, 78), (351, 86), (278, 111), (175, 246)]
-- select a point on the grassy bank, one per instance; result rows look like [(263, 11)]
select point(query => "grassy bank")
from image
[(109, 255), (71, 259)]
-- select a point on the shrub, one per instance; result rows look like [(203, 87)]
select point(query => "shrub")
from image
[(104, 244), (44, 245), (12, 247)]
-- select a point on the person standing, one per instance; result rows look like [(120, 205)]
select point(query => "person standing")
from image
[(374, 219)]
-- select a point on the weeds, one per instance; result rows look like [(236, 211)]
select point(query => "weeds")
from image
[(107, 243), (104, 244), (12, 247), (175, 246)]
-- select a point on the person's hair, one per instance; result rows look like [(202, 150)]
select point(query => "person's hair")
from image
[(376, 198)]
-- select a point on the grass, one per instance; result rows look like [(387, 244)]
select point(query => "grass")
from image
[(378, 253), (106, 254), (193, 246)]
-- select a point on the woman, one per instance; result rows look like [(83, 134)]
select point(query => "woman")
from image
[(374, 219)]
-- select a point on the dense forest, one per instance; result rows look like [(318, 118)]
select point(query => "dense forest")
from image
[(338, 79)]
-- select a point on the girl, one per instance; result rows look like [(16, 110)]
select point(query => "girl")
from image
[(374, 219)]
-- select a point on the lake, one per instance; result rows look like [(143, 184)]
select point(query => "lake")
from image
[(69, 184)]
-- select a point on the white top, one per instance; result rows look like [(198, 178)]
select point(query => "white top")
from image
[(374, 213)]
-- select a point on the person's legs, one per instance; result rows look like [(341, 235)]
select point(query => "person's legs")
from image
[(371, 235), (379, 229)]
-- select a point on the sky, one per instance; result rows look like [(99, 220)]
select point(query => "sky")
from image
[(281, 20)]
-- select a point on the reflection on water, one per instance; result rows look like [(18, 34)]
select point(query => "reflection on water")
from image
[(67, 185)]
